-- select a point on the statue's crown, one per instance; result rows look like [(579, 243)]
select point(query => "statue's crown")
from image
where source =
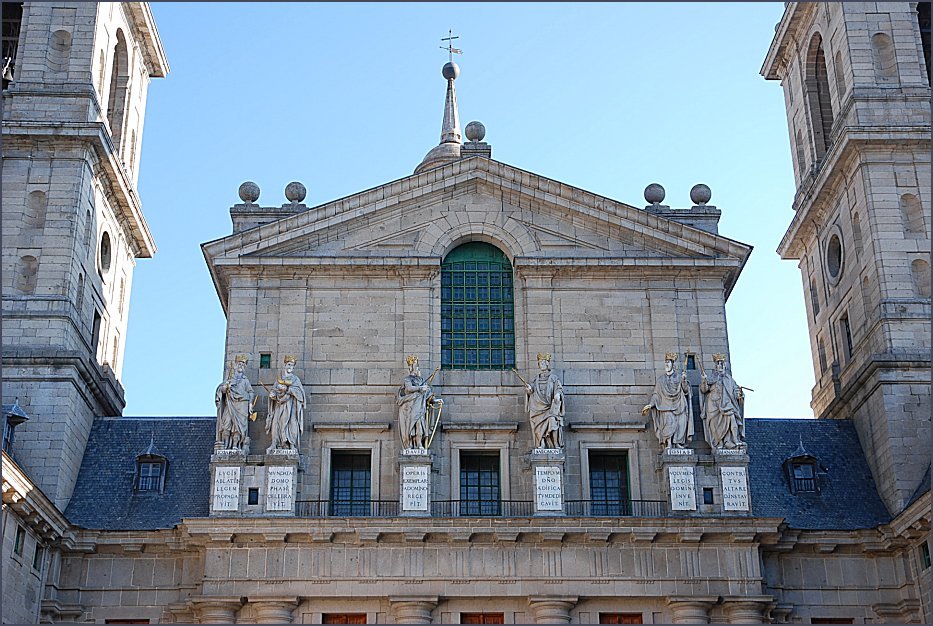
[(544, 356), (719, 356), (290, 357), (241, 358), (411, 359), (670, 356)]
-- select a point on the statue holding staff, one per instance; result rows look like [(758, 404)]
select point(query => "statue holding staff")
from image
[(671, 406), (544, 402), (414, 401), (722, 407)]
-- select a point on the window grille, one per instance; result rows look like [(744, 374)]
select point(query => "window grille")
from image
[(804, 477), (477, 313), (350, 484), (150, 476), (479, 484), (609, 483)]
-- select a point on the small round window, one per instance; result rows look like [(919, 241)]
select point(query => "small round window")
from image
[(834, 256), (105, 252)]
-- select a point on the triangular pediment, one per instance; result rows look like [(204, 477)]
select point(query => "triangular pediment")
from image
[(424, 215)]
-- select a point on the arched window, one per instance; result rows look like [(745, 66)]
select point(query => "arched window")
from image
[(28, 274), (817, 88), (59, 53), (814, 298), (920, 272), (477, 313), (840, 77), (912, 214), (923, 21), (821, 354), (857, 234), (87, 233), (883, 58), (106, 253), (36, 206), (866, 299), (119, 82), (79, 299)]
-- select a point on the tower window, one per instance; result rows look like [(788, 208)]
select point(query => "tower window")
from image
[(834, 256), (912, 215), (925, 555), (821, 354), (814, 298), (12, 21), (105, 253), (923, 20), (19, 542), (477, 318), (265, 360), (884, 58), (920, 272), (846, 335), (28, 274), (817, 87), (38, 557), (119, 86)]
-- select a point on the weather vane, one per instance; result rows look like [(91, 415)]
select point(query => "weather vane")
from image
[(451, 51)]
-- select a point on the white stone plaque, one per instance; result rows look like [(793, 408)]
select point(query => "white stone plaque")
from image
[(679, 451), (734, 488), (548, 489), (683, 488), (226, 489), (416, 487), (279, 487)]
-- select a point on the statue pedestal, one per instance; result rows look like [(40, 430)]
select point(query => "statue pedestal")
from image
[(415, 482), (255, 486), (679, 468), (548, 467)]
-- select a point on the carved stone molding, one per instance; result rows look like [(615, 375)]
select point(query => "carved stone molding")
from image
[(273, 610), (691, 609), (413, 610), (746, 609), (552, 609), (216, 610)]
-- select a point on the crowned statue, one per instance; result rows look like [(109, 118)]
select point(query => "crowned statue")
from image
[(671, 406), (234, 399), (544, 402), (722, 408), (416, 406)]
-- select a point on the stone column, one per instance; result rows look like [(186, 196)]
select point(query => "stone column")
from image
[(746, 609), (216, 610), (691, 609), (275, 610), (413, 610), (552, 610)]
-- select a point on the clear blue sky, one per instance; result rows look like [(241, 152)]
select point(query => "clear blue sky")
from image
[(344, 97)]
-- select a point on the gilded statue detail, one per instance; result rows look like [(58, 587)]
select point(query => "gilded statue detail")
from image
[(722, 408), (285, 421), (544, 402), (671, 406), (235, 399), (416, 402)]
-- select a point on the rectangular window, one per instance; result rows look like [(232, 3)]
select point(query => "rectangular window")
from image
[(707, 497), (150, 477), (925, 555), (37, 557), (12, 20), (846, 335), (620, 618), (609, 491), (691, 362), (482, 618), (804, 477), (350, 484), (19, 541), (265, 360), (479, 484), (343, 618), (252, 495)]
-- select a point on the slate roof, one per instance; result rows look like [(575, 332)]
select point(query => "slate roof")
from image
[(848, 498), (922, 488), (104, 497)]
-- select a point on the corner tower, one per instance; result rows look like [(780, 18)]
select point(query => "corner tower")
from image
[(856, 79), (74, 96)]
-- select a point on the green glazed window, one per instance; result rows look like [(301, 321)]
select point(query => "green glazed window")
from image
[(477, 315)]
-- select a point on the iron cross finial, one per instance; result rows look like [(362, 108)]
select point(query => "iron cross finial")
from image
[(451, 51)]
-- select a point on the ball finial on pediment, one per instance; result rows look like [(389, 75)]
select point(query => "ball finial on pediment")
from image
[(700, 194), (475, 131), (295, 192), (249, 192), (654, 193)]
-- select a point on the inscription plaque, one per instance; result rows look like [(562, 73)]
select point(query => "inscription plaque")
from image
[(548, 489), (683, 488), (226, 489), (416, 487), (279, 483), (734, 488)]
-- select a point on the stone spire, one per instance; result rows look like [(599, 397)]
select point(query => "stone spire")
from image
[(448, 150)]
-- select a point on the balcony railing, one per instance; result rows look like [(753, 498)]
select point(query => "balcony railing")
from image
[(478, 508)]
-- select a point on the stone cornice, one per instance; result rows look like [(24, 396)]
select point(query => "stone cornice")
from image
[(775, 63), (95, 135), (32, 506), (146, 33)]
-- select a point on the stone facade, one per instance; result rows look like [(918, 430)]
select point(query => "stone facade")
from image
[(73, 223), (607, 289)]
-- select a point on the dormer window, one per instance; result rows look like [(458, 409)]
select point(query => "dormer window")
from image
[(801, 470), (150, 469), (804, 477)]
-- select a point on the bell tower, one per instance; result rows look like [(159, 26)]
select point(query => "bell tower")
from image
[(75, 78), (856, 79)]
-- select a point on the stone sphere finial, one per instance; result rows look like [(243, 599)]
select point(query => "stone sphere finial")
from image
[(475, 131), (451, 70), (249, 192), (654, 193), (700, 194), (295, 192)]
